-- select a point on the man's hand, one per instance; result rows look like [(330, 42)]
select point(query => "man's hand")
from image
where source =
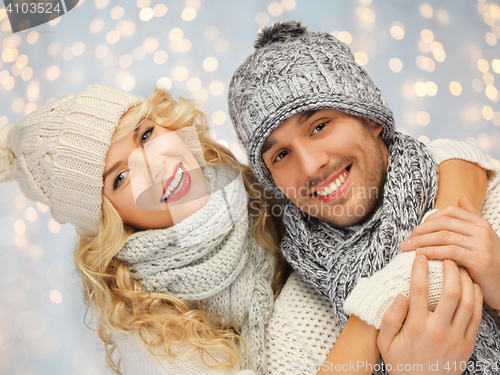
[(462, 234), (427, 341)]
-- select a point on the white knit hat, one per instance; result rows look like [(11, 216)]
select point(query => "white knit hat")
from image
[(57, 153)]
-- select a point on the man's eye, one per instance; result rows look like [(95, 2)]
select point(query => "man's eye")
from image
[(118, 180), (281, 155), (319, 128), (146, 135)]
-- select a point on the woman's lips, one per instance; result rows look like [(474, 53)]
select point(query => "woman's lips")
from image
[(182, 187), (167, 183)]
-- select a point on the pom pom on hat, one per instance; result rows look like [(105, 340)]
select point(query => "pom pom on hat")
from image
[(283, 32), (7, 157)]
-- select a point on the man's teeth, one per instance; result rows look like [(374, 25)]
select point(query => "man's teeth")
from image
[(173, 184), (333, 186)]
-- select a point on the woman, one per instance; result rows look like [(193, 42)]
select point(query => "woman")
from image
[(178, 274)]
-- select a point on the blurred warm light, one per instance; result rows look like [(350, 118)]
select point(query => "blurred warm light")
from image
[(361, 58), (151, 44), (216, 88), (188, 14), (262, 19), (27, 73), (126, 28), (96, 25), (488, 79), (211, 32), (53, 48), (427, 36), (113, 36), (102, 51), (139, 53), (19, 227), (32, 37), (9, 83), (193, 84), (288, 4), (160, 10), (484, 142), (423, 118), (180, 73), (218, 117), (128, 83), (495, 65), (419, 88), (160, 57), (55, 296), (31, 214), (442, 15), (143, 3), (491, 92), (496, 119), (101, 4), (164, 83), (275, 9), (200, 96), (146, 14), (487, 113), (33, 93), (477, 85), (398, 30), (42, 207), (54, 19), (175, 34), (22, 61), (366, 14), (221, 45), (184, 45), (424, 139), (455, 88), (54, 226), (345, 36), (491, 39), (117, 12), (78, 48), (210, 64), (483, 65), (431, 88), (53, 72), (426, 10)]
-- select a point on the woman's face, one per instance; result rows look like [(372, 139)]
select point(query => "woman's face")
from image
[(152, 179)]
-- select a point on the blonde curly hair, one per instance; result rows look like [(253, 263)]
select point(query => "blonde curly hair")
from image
[(119, 303)]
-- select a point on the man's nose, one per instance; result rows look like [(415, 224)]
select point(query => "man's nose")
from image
[(312, 161)]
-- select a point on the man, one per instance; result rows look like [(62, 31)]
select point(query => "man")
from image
[(318, 131)]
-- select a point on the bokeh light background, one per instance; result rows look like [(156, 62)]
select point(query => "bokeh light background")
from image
[(437, 63)]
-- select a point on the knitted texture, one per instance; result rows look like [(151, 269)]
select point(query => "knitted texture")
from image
[(293, 71), (7, 157), (228, 276), (60, 151), (373, 295)]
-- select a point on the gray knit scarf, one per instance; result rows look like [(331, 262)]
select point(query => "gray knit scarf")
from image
[(211, 261), (332, 260)]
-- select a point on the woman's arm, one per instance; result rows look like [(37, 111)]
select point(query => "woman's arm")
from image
[(355, 351), (458, 177)]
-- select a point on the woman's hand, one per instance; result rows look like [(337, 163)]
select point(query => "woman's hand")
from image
[(462, 234), (432, 342)]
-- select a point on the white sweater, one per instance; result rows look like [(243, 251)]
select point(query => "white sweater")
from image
[(302, 329)]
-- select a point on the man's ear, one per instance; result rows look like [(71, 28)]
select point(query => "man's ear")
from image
[(374, 127)]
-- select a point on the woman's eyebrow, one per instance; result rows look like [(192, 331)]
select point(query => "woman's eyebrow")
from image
[(116, 165)]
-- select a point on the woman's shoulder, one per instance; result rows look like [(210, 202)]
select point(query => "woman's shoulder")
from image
[(137, 359), (302, 328)]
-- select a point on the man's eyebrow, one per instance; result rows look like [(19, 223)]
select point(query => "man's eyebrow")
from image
[(304, 116), (268, 144), (117, 164)]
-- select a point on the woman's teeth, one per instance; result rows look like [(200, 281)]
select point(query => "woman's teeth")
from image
[(173, 184), (333, 186)]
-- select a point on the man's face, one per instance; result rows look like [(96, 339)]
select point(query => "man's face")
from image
[(330, 164)]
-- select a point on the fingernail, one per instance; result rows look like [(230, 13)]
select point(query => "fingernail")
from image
[(477, 288), (397, 302), (464, 272), (406, 242), (451, 261), (420, 250), (421, 258)]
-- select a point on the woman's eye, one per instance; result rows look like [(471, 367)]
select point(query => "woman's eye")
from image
[(281, 155), (146, 135), (319, 128), (118, 180)]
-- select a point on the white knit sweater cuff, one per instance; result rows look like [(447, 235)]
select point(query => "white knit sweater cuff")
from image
[(446, 149), (371, 297)]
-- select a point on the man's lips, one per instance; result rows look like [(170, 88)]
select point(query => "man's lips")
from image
[(329, 181)]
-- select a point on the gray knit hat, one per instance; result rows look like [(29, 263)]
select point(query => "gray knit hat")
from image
[(291, 71), (57, 153)]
